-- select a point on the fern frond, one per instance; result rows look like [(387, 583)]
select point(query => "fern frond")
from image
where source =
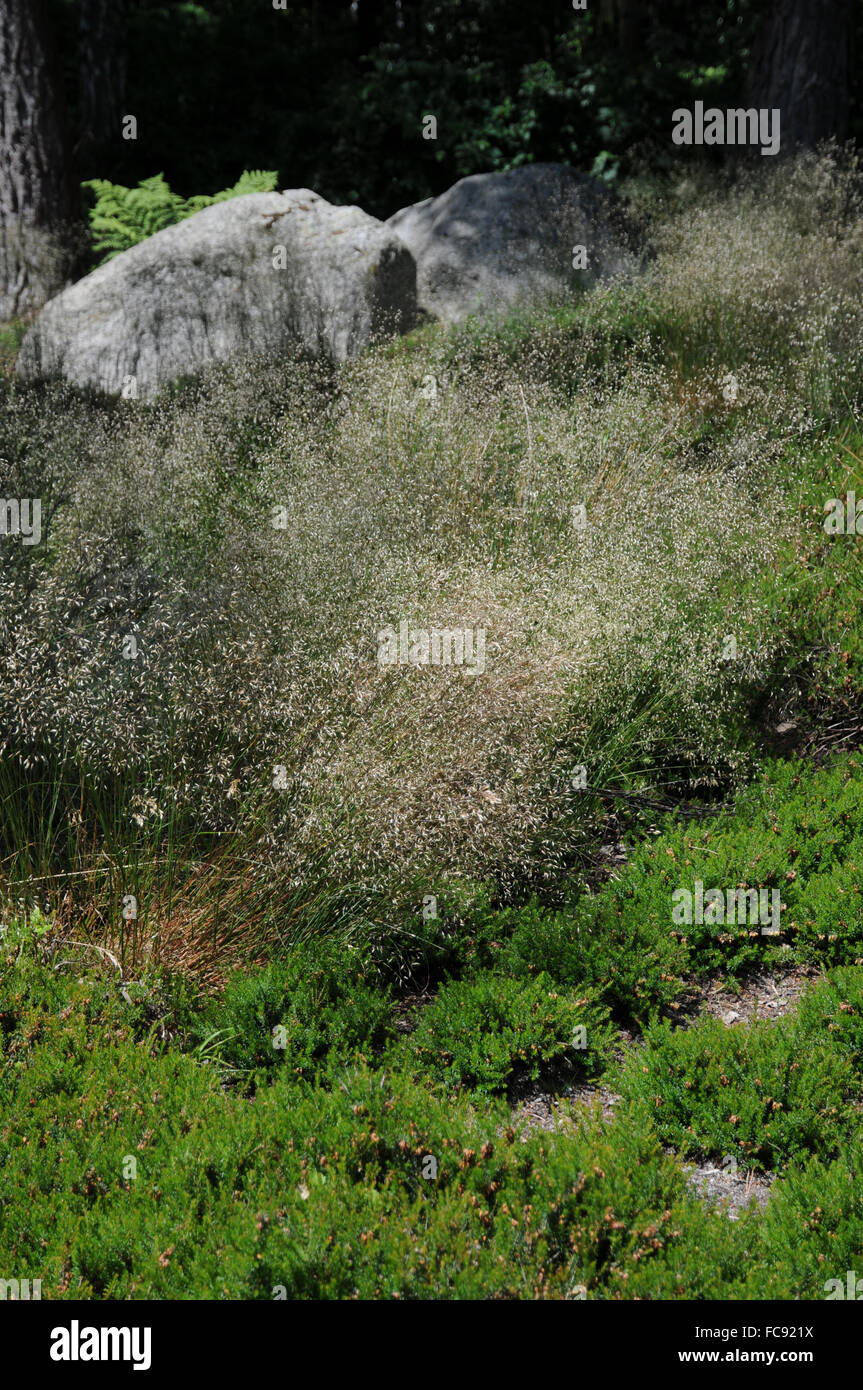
[(122, 217)]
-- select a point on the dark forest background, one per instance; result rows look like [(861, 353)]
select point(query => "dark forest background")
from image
[(332, 95)]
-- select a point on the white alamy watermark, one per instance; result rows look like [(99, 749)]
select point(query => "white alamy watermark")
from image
[(846, 518), (852, 1288), (736, 126), (728, 907), (77, 1343), (20, 1289), (21, 517), (730, 388), (435, 646)]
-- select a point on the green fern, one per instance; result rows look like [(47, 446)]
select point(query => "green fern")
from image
[(121, 217), (250, 181)]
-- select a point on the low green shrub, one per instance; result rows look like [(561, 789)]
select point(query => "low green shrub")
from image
[(833, 1010), (52, 988), (796, 830), (481, 1032), (127, 1170), (134, 1175), (604, 941), (812, 1230), (766, 1093), (325, 997)]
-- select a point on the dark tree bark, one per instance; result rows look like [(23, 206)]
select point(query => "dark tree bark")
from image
[(102, 84), (801, 63), (369, 18), (626, 19), (39, 238)]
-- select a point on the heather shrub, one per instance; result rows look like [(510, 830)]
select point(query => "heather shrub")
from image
[(146, 1179), (795, 829), (483, 1031), (766, 1092), (59, 995), (834, 1010), (321, 1001), (812, 1230), (623, 1221), (604, 941)]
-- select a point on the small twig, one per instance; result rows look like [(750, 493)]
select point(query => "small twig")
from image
[(650, 804), (101, 949)]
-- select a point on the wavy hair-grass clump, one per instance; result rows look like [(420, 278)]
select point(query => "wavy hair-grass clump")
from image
[(193, 648)]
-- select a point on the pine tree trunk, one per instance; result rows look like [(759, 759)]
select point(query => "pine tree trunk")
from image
[(801, 63), (626, 19), (102, 84), (39, 238)]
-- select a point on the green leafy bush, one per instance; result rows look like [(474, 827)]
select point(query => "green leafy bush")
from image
[(606, 941), (479, 1032), (324, 996), (121, 217), (766, 1093), (146, 1178), (796, 830), (812, 1230), (62, 996), (834, 1010)]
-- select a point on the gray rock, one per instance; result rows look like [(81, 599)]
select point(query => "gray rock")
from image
[(493, 241), (208, 289)]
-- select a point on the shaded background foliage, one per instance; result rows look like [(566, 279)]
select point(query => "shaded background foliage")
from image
[(333, 96)]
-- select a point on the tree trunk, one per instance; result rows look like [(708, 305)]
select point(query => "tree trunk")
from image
[(369, 19), (39, 237), (801, 63), (625, 18), (102, 84)]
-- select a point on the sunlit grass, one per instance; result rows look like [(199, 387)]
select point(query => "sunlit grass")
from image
[(611, 489)]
